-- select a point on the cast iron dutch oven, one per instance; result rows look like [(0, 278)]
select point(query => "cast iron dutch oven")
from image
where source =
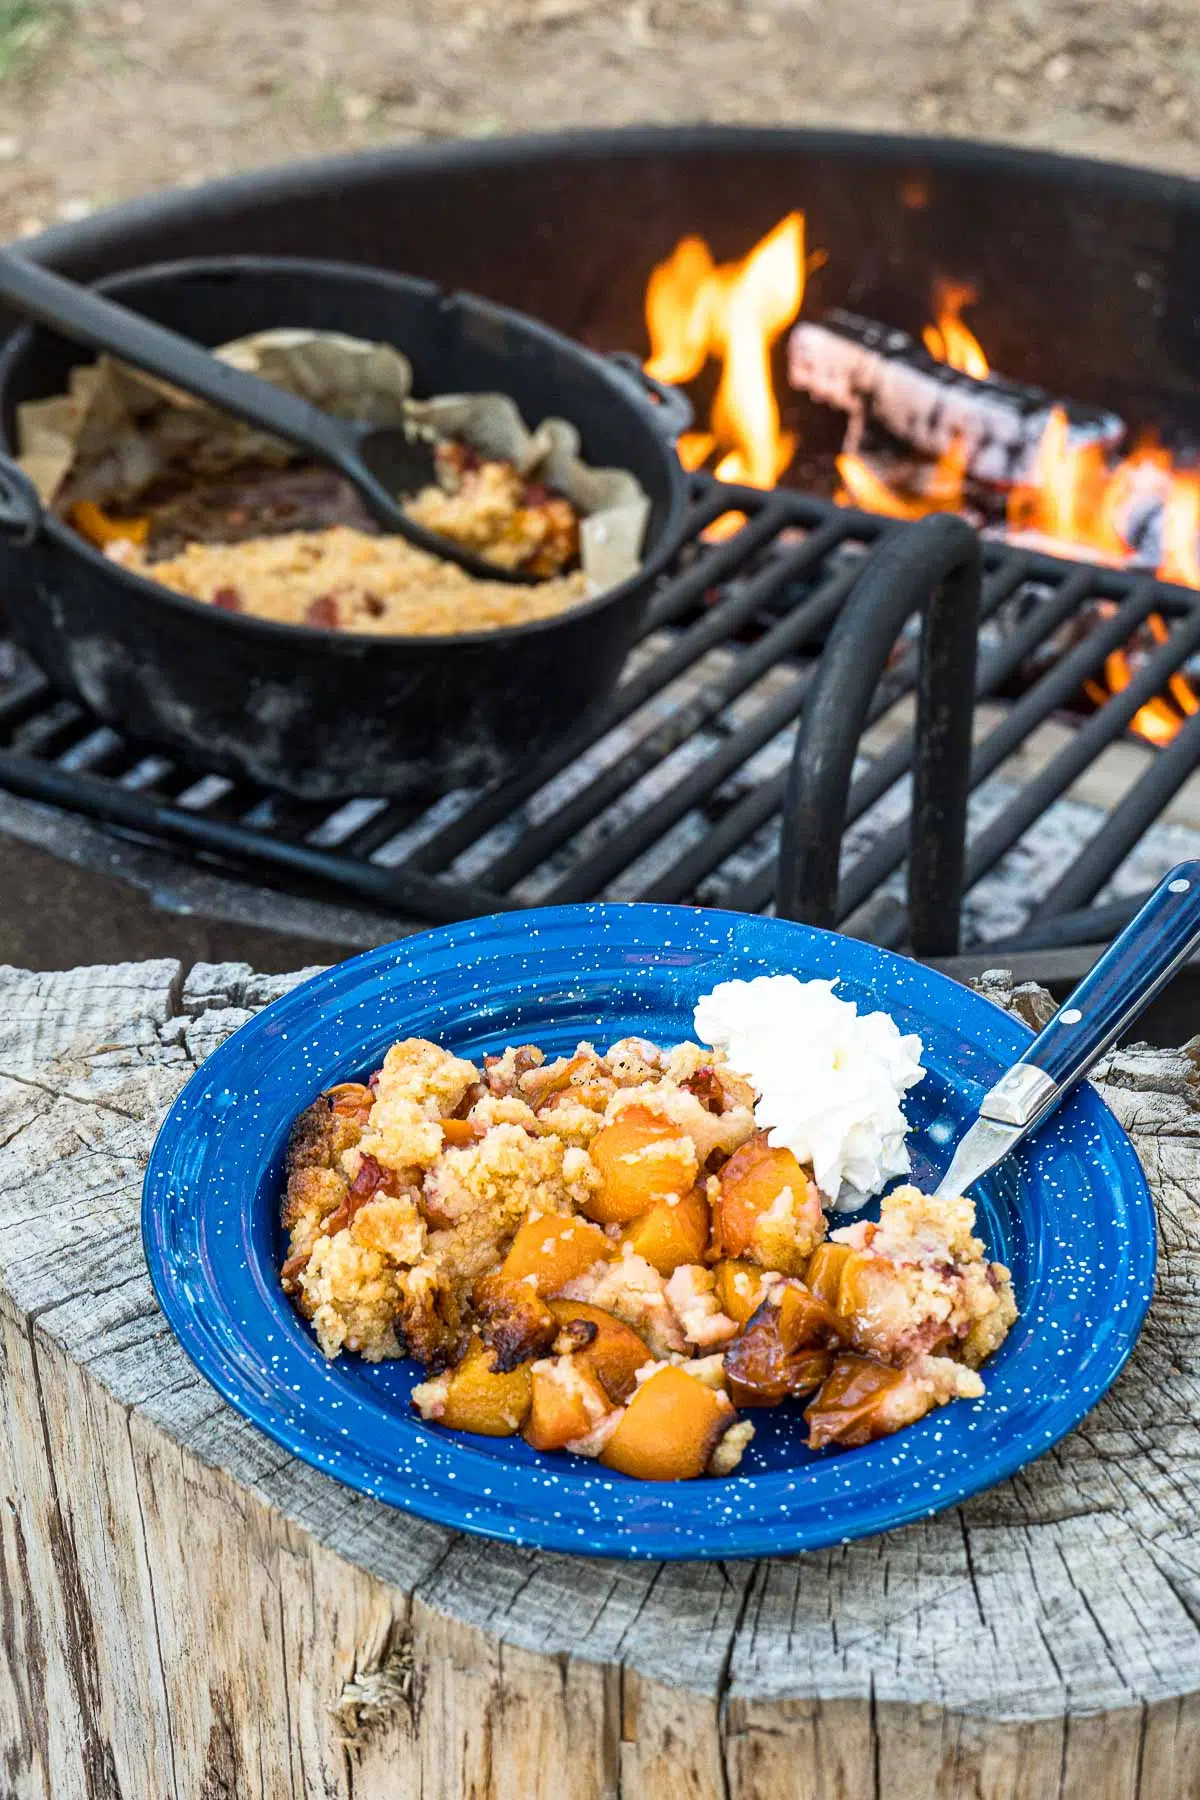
[(320, 713)]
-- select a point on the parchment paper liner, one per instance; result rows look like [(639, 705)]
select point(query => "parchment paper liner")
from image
[(116, 430)]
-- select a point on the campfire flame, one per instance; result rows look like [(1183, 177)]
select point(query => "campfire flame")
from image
[(950, 341), (699, 310), (1181, 532), (734, 312), (1077, 501), (1074, 498), (942, 486)]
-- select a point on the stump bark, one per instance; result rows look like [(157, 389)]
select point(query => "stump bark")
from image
[(190, 1614)]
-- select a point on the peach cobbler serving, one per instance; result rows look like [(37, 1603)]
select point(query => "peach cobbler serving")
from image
[(621, 1254)]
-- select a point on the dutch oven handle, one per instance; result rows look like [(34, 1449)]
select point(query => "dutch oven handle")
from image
[(670, 409), (20, 505)]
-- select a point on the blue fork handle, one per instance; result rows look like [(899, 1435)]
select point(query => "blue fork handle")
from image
[(1118, 987)]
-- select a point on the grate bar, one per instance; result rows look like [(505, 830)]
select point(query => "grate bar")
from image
[(50, 732), (714, 566), (29, 691), (745, 609), (683, 723), (111, 804), (1125, 824), (936, 572), (287, 815), (727, 836), (717, 625), (891, 764), (1086, 744), (758, 890), (1087, 925), (1056, 686), (619, 852)]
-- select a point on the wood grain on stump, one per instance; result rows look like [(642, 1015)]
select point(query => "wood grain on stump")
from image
[(190, 1614)]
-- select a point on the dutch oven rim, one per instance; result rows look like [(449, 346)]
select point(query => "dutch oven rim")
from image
[(269, 630)]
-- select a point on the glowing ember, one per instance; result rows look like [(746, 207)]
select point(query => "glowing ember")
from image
[(734, 312), (950, 340), (1158, 720), (1181, 688)]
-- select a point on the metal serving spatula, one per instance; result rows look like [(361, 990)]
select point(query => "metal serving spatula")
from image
[(1108, 999), (381, 462)]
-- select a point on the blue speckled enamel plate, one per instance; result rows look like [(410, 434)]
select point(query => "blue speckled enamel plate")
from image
[(1070, 1214)]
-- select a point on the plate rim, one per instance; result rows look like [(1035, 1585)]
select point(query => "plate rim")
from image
[(731, 1540)]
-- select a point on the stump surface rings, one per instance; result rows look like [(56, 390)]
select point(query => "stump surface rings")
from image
[(191, 1614)]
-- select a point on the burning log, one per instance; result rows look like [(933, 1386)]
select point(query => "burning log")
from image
[(931, 428), (882, 377)]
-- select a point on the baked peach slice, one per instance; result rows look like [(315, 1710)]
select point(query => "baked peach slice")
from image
[(767, 1209), (669, 1430), (863, 1399), (672, 1232), (787, 1348), (460, 1134), (554, 1248), (351, 1100), (642, 1157), (823, 1276), (547, 1252), (567, 1402), (740, 1288), (475, 1397), (613, 1353), (885, 1308)]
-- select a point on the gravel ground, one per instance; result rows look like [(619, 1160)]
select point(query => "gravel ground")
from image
[(108, 98)]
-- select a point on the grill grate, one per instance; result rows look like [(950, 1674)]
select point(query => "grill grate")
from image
[(674, 792)]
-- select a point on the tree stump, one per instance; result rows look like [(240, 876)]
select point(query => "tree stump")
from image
[(190, 1614)]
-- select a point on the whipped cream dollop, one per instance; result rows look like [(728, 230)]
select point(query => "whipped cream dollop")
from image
[(828, 1079)]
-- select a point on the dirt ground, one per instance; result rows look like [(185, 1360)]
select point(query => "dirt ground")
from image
[(104, 99)]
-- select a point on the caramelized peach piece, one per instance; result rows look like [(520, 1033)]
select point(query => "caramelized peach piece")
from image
[(514, 1321), (460, 1134), (752, 1183), (566, 1403), (784, 1350), (669, 1430), (859, 1284), (861, 1400), (886, 1315), (478, 1399), (554, 1249), (641, 1158), (739, 1288), (537, 1084), (673, 1232), (102, 529), (804, 1318), (351, 1100), (824, 1273), (615, 1353)]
